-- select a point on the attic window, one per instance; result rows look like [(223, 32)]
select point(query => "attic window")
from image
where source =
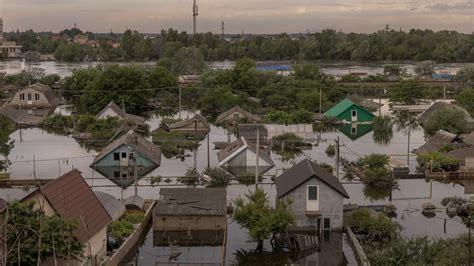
[(37, 97), (22, 96), (116, 156)]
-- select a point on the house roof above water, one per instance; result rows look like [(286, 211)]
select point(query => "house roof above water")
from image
[(192, 202), (303, 171)]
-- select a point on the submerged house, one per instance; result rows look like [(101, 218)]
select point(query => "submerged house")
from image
[(443, 105), (113, 110), (317, 197), (355, 130), (196, 125), (237, 114), (364, 103), (126, 155), (441, 139), (348, 112), (71, 198), (31, 105), (269, 131), (190, 217), (239, 158)]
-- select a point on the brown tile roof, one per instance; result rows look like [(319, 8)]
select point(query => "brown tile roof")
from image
[(436, 142), (71, 197), (135, 141), (238, 109), (300, 173), (192, 201)]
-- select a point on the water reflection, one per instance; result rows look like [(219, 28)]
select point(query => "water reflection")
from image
[(355, 130), (124, 176)]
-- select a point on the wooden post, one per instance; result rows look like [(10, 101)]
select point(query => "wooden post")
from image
[(337, 157), (208, 151)]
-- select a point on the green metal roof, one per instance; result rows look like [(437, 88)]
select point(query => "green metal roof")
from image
[(339, 108)]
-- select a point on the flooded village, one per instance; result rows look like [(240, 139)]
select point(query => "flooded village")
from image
[(325, 148)]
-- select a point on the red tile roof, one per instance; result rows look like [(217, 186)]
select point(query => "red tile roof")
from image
[(71, 197)]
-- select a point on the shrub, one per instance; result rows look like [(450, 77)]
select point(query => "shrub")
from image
[(219, 176)]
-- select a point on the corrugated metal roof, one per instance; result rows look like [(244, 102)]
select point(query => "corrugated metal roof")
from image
[(192, 201), (233, 147), (114, 207), (304, 131), (134, 202), (71, 197), (300, 173), (197, 118)]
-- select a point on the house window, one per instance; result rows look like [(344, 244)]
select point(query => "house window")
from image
[(312, 192), (124, 155), (354, 129), (131, 157), (117, 174), (124, 175), (116, 156), (29, 96), (354, 113), (22, 96), (37, 97)]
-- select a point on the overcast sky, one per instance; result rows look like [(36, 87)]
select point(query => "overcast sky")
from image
[(252, 16)]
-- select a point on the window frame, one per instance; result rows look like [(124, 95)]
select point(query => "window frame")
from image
[(308, 194), (116, 156)]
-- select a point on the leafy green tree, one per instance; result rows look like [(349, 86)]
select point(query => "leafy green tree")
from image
[(407, 92), (188, 61), (452, 120), (424, 69), (262, 221), (436, 162), (465, 99), (383, 129), (307, 71), (465, 76), (393, 70), (408, 122), (6, 143), (25, 226)]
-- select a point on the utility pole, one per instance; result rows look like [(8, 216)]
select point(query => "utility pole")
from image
[(320, 103), (223, 29), (257, 157), (337, 157), (208, 151), (195, 14), (135, 175), (179, 102), (34, 167)]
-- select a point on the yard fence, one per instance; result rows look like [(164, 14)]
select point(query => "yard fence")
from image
[(357, 248)]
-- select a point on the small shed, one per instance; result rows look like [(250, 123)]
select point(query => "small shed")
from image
[(239, 158), (317, 197), (190, 216), (348, 111), (237, 114), (197, 124), (134, 203), (112, 205)]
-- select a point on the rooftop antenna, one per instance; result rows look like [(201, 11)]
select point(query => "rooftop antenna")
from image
[(195, 14), (223, 29)]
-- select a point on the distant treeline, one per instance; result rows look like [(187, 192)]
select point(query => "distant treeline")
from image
[(418, 45)]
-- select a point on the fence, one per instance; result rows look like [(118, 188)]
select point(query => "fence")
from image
[(357, 248), (131, 241)]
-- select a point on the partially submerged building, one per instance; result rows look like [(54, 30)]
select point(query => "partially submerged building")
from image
[(269, 131), (239, 158), (443, 105), (355, 131), (113, 110), (365, 103), (190, 217), (126, 155), (317, 197), (196, 125), (31, 105), (237, 115), (438, 141), (348, 112), (70, 197)]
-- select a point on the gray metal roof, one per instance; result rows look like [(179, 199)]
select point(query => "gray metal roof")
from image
[(134, 201), (300, 173), (112, 205), (231, 149), (192, 201), (201, 123), (136, 142)]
